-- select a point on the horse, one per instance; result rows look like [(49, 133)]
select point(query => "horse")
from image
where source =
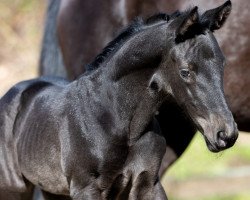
[(97, 137), (66, 50)]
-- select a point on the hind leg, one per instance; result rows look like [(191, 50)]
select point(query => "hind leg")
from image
[(27, 195), (4, 195), (49, 196)]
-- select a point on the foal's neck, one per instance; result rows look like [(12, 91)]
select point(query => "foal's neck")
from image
[(122, 84), (130, 70), (130, 102)]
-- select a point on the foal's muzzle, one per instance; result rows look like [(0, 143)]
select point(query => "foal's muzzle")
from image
[(223, 139)]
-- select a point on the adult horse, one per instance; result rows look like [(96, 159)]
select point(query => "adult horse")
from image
[(84, 27), (97, 137)]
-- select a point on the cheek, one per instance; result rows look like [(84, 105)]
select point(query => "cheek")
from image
[(192, 79), (181, 90), (190, 93)]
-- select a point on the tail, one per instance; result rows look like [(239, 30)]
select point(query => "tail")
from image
[(51, 62)]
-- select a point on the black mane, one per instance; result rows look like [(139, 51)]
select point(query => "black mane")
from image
[(136, 26)]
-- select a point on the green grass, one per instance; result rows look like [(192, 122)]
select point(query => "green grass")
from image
[(198, 161), (199, 168), (214, 197)]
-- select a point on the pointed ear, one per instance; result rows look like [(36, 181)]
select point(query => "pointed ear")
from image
[(215, 18), (156, 83), (190, 20)]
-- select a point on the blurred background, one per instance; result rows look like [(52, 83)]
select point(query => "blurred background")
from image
[(197, 175), (21, 28)]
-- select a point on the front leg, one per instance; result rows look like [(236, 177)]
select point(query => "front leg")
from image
[(147, 155), (159, 192), (89, 192), (144, 189)]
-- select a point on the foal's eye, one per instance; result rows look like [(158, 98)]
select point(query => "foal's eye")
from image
[(185, 73)]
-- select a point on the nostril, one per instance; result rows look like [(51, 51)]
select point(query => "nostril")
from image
[(221, 138), (222, 135)]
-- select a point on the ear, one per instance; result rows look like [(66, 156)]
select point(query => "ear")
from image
[(188, 22), (215, 18), (156, 83)]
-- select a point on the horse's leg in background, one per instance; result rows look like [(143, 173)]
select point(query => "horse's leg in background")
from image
[(178, 132), (51, 62)]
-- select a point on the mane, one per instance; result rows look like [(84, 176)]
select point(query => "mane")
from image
[(136, 26)]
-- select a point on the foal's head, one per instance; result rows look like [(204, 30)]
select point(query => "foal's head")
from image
[(184, 61), (192, 72)]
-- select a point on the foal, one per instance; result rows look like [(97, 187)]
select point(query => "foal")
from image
[(97, 137)]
